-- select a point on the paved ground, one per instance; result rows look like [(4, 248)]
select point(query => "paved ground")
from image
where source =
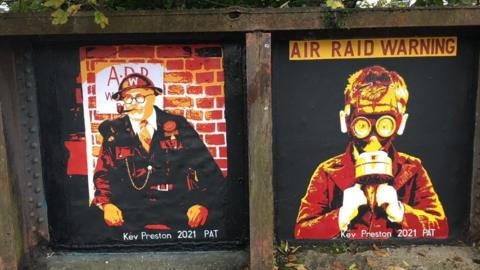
[(425, 257), (211, 260), (332, 257)]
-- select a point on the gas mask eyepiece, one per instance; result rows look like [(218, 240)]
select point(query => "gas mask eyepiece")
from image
[(384, 126)]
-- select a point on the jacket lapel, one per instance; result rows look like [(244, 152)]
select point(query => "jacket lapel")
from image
[(342, 170), (404, 170)]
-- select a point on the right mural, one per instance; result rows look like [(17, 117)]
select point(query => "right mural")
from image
[(378, 180)]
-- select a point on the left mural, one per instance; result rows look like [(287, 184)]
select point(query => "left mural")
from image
[(155, 145)]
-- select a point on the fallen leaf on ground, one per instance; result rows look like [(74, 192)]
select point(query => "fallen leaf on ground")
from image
[(296, 266), (371, 262), (381, 253), (292, 258), (421, 254), (406, 263), (375, 247), (457, 259), (395, 268), (295, 249), (336, 265), (353, 266)]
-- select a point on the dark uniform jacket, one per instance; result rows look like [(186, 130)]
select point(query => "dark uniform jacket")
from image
[(159, 186)]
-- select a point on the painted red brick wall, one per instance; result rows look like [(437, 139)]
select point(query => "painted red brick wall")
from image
[(193, 87)]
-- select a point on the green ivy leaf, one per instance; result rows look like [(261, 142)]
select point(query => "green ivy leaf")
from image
[(73, 9), (54, 3), (93, 2), (59, 16), (168, 4), (101, 19), (334, 4)]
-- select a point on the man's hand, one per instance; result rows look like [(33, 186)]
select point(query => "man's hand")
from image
[(197, 216), (353, 197), (112, 215), (387, 195)]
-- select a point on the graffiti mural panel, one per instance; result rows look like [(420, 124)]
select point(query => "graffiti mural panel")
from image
[(146, 159), (150, 146), (406, 115)]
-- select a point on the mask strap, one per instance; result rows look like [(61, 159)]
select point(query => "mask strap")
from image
[(403, 123), (343, 121)]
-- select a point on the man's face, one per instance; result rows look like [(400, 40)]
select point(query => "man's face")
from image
[(139, 103), (373, 132)]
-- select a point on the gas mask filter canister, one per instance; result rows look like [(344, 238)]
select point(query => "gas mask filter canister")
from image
[(373, 163)]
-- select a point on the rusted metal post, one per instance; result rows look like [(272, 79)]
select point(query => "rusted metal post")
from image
[(10, 231), (19, 108), (27, 147), (259, 95), (474, 229)]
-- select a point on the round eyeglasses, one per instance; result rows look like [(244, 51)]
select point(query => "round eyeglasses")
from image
[(138, 99)]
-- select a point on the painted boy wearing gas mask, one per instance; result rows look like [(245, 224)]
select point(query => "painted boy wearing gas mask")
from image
[(372, 191)]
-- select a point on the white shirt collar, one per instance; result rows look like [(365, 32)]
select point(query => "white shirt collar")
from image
[(152, 123)]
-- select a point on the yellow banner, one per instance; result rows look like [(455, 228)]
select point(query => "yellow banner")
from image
[(372, 48)]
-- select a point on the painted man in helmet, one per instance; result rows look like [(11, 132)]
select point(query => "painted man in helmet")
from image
[(153, 171), (372, 191)]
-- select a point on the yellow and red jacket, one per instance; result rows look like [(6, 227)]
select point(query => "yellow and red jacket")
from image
[(318, 213)]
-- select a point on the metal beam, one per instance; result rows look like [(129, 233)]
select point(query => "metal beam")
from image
[(23, 145), (10, 236)]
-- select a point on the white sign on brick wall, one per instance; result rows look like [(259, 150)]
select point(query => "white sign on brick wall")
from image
[(108, 80)]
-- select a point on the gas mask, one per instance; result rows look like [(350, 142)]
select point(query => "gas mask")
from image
[(372, 136)]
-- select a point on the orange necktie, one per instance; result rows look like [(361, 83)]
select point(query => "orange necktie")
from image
[(145, 138)]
